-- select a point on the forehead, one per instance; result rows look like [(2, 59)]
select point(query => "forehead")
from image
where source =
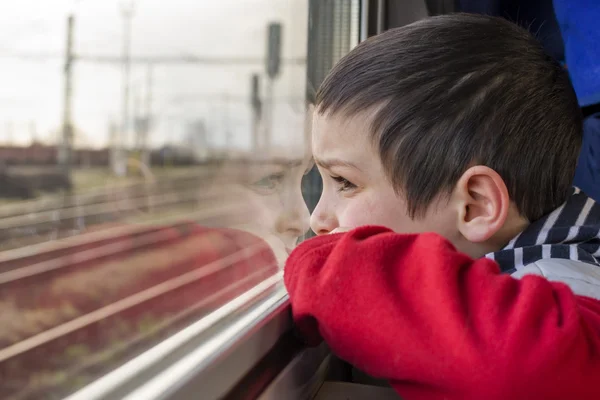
[(248, 166), (279, 154), (340, 136), (288, 156)]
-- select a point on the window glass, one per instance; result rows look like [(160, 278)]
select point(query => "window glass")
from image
[(151, 161)]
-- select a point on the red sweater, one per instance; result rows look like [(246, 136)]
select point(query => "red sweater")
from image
[(439, 325)]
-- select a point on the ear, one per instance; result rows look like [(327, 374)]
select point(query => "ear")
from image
[(483, 201)]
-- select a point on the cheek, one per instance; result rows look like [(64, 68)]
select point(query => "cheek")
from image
[(362, 211), (263, 210), (248, 208), (388, 211)]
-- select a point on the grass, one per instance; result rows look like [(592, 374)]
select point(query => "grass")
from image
[(85, 179)]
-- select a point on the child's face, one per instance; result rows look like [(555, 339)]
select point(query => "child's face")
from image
[(356, 190), (266, 196)]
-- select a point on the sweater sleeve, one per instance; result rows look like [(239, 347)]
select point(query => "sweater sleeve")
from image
[(439, 325)]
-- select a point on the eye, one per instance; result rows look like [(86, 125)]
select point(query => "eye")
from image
[(269, 182), (344, 184)]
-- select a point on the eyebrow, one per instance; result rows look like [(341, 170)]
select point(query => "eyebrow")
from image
[(334, 162), (290, 163), (287, 163)]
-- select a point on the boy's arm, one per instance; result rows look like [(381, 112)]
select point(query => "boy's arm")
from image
[(437, 324)]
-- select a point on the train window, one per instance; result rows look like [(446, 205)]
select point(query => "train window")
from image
[(151, 160)]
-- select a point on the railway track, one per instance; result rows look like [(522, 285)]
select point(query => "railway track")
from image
[(77, 307), (46, 226), (15, 259), (60, 260), (189, 290), (45, 257), (39, 382), (104, 194)]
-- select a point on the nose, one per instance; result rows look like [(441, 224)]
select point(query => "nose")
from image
[(323, 221), (294, 221)]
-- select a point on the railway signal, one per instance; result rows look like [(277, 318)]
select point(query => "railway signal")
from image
[(274, 50)]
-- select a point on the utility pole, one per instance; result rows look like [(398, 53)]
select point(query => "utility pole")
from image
[(140, 120), (64, 152), (112, 135), (226, 121), (144, 154), (137, 118), (256, 105), (33, 132), (273, 70), (127, 11), (9, 133), (149, 87)]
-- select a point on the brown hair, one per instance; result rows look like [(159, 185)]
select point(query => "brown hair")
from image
[(457, 90)]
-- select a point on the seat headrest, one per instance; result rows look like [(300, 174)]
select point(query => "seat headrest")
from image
[(579, 22)]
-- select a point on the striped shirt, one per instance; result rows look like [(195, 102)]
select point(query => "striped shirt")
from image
[(571, 232)]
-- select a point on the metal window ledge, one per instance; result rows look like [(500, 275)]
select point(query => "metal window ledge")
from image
[(207, 359)]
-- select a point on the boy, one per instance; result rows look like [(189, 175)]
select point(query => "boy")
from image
[(459, 125)]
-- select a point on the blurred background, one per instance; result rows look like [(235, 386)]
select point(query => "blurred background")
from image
[(154, 165)]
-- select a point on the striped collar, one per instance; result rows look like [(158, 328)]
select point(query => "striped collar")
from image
[(571, 232)]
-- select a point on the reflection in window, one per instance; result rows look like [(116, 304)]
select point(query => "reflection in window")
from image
[(151, 161)]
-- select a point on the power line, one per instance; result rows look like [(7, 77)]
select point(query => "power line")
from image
[(188, 59), (33, 56), (156, 60), (216, 97)]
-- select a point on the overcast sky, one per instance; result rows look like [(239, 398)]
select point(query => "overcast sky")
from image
[(31, 92)]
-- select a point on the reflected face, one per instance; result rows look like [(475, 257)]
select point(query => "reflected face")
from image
[(356, 190), (267, 197)]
